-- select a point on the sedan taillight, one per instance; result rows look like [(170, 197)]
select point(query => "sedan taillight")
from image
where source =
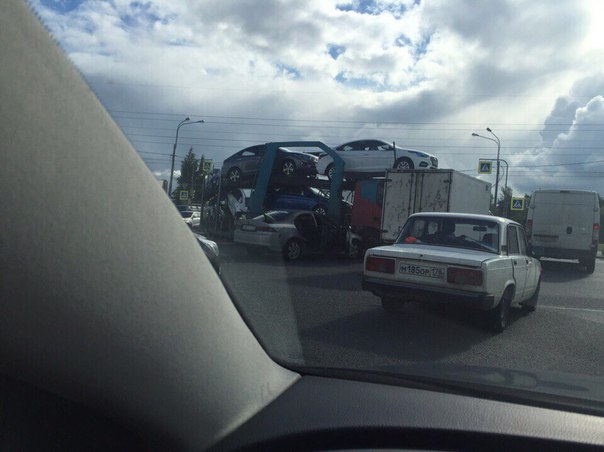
[(379, 264), (466, 276)]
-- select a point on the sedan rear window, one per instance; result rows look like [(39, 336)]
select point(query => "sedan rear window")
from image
[(453, 232)]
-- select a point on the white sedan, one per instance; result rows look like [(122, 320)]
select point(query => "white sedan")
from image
[(476, 260), (192, 218), (375, 156)]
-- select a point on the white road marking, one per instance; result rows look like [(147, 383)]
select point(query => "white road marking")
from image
[(565, 308)]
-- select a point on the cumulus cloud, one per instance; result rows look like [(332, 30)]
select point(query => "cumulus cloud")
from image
[(338, 70), (571, 159)]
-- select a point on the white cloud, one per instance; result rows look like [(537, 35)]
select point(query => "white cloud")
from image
[(445, 68)]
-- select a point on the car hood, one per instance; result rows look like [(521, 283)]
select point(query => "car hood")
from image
[(443, 254)]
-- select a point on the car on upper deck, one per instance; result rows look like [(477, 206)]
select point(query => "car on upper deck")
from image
[(481, 261), (245, 164), (372, 155)]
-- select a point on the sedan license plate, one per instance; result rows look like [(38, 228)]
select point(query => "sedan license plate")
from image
[(422, 271), (248, 227)]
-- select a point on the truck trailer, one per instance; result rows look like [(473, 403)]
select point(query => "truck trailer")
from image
[(383, 204)]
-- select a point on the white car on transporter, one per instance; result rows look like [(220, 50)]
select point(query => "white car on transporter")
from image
[(480, 261), (364, 156)]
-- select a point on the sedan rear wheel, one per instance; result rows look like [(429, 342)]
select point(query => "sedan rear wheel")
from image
[(531, 304), (292, 250), (234, 175), (392, 305), (499, 316), (288, 167), (320, 210), (329, 172), (354, 250)]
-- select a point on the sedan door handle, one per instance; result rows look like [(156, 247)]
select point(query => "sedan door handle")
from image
[(515, 262)]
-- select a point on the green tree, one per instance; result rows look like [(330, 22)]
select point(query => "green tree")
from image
[(189, 167), (504, 206), (503, 203), (199, 182)]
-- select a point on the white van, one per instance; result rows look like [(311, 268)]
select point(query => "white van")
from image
[(565, 224)]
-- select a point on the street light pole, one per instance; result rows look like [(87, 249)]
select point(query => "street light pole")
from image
[(498, 151), (184, 122)]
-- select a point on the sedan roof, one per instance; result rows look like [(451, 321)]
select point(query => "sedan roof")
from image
[(469, 216)]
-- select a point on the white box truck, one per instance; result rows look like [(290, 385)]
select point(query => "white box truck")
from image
[(411, 191), (565, 224)]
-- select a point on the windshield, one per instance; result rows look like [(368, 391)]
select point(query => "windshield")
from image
[(504, 98), (453, 232)]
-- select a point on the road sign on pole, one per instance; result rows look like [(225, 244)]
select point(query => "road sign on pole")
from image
[(184, 195), (485, 166), (517, 204), (208, 166)]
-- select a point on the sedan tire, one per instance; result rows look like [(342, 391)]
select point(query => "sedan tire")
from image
[(234, 175), (404, 164), (531, 304), (329, 171), (288, 167), (292, 250), (355, 249), (320, 210), (499, 317)]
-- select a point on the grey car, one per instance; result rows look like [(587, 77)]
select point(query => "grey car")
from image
[(245, 164), (294, 234)]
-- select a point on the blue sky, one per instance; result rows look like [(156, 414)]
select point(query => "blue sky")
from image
[(424, 74)]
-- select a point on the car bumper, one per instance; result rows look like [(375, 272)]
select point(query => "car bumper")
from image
[(411, 292), (563, 253)]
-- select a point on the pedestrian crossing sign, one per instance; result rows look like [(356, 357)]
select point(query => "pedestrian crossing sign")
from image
[(184, 195), (485, 167), (208, 166), (517, 204)]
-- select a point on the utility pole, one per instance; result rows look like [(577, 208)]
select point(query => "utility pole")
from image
[(203, 186), (184, 122), (192, 190), (498, 151)]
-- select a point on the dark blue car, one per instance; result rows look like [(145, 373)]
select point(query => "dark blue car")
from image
[(298, 198)]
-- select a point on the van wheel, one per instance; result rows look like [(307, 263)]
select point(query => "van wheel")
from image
[(499, 317), (392, 305), (589, 264)]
